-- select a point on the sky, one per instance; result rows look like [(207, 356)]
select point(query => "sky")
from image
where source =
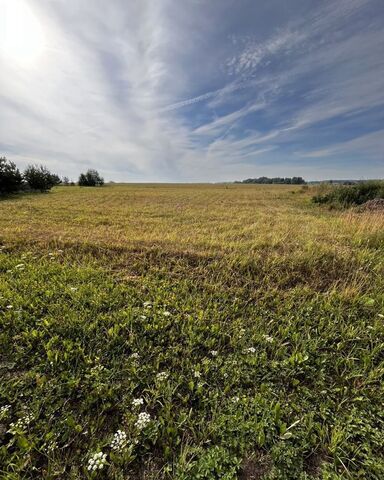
[(194, 90)]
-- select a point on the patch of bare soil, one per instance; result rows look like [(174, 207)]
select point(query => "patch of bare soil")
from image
[(255, 467)]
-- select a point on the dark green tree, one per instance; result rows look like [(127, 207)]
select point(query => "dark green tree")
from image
[(10, 177), (91, 178), (40, 178)]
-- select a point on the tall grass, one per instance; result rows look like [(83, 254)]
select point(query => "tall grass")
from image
[(350, 195)]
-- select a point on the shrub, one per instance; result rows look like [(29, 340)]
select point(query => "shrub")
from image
[(91, 178), (10, 177), (40, 178), (350, 195)]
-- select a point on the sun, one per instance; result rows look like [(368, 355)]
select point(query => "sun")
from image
[(21, 34)]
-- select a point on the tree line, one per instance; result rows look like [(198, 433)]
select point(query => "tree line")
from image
[(275, 180), (39, 178)]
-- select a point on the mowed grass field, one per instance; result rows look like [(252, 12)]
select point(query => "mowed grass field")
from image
[(190, 332)]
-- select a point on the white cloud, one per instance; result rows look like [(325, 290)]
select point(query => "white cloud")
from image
[(105, 93)]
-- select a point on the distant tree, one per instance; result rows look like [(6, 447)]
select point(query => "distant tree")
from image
[(91, 178), (56, 180), (10, 177), (276, 180), (40, 178), (83, 180), (65, 181)]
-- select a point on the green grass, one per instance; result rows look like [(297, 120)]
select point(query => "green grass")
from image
[(288, 295)]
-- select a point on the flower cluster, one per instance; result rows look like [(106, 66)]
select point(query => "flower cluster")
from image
[(162, 376), (4, 410), (214, 353), (97, 461), (143, 420), (136, 402), (52, 446), (196, 374), (135, 356), (119, 441), (250, 350), (21, 424)]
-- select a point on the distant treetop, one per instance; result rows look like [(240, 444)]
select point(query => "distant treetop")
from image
[(91, 178), (275, 180)]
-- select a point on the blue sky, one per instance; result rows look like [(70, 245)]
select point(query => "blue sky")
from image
[(194, 90)]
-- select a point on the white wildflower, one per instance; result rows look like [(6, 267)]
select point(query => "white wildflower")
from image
[(73, 289), (119, 441), (52, 445), (21, 424), (143, 317), (166, 313), (250, 350), (9, 307), (134, 355), (162, 376), (136, 402), (142, 420), (235, 399), (214, 353), (97, 461), (4, 410), (196, 374), (147, 304)]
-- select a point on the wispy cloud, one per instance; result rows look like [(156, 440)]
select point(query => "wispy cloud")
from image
[(148, 90)]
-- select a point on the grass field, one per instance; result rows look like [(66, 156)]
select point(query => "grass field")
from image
[(229, 332)]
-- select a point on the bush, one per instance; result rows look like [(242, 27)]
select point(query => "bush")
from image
[(40, 178), (91, 178), (350, 195), (10, 177)]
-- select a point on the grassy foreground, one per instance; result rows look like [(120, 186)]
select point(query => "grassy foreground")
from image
[(228, 332)]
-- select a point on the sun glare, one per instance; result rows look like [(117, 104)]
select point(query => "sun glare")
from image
[(21, 35)]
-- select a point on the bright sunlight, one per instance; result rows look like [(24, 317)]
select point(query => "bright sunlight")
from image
[(21, 33)]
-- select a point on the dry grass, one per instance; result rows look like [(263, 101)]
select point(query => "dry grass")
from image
[(269, 232)]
